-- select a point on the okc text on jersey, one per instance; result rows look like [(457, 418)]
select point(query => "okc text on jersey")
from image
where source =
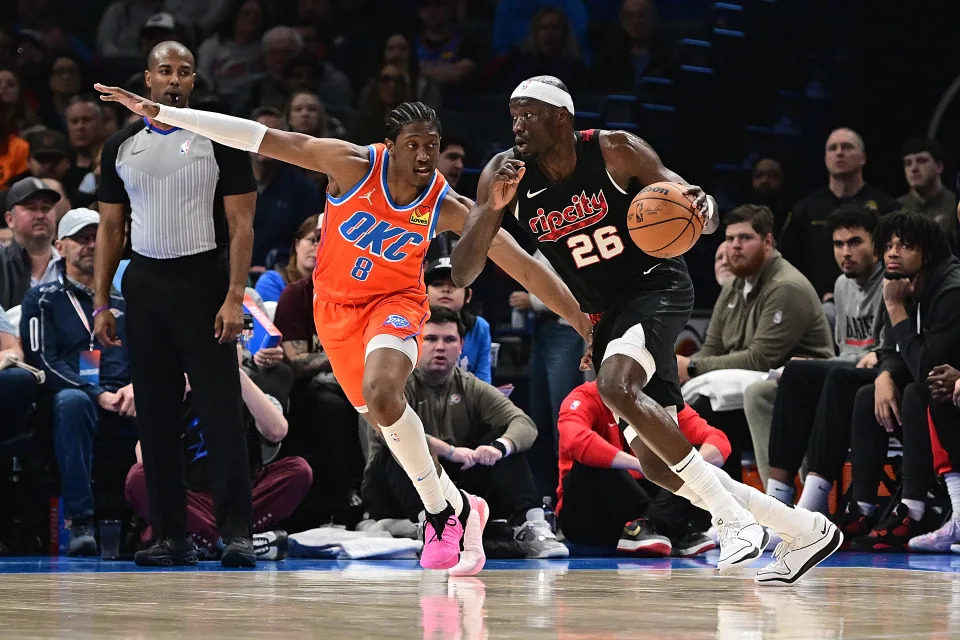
[(583, 212), (378, 237)]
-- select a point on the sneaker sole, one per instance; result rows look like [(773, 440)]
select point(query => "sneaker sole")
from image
[(650, 548), (483, 511), (835, 541), (694, 550), (748, 559), (555, 553)]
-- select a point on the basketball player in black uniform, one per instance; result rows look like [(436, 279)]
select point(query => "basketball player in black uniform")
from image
[(570, 191)]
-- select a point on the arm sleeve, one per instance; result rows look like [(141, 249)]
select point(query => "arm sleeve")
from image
[(785, 315), (577, 416), (495, 410), (111, 189), (698, 431), (270, 286), (60, 375), (937, 343), (236, 170), (290, 318)]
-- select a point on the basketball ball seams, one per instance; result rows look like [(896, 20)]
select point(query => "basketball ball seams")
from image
[(667, 204)]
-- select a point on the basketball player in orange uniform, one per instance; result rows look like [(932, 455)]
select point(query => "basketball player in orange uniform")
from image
[(384, 204), (640, 303)]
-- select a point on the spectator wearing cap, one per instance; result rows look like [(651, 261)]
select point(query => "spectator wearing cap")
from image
[(923, 161), (89, 387), (49, 155), (30, 259), (475, 355)]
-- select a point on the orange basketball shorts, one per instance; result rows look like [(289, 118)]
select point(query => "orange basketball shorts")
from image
[(344, 330)]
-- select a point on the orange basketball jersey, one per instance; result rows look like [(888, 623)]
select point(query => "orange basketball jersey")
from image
[(369, 245)]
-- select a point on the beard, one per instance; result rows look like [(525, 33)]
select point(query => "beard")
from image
[(747, 268)]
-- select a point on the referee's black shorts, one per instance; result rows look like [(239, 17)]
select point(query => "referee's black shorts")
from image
[(662, 315)]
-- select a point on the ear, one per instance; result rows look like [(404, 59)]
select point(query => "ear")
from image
[(8, 218), (390, 145), (467, 296), (58, 245)]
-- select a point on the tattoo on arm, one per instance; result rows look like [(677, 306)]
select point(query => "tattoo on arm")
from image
[(303, 362)]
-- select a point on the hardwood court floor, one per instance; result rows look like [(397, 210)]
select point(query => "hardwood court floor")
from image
[(855, 596)]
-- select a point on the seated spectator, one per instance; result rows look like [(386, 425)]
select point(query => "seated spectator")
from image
[(445, 56), (120, 24), (14, 152), (393, 87), (30, 259), (923, 160), (285, 197), (512, 18), (305, 113), (399, 50), (922, 304), (783, 415), (92, 396), (49, 155), (85, 135), (721, 266), (234, 53), (332, 451), (602, 485), (65, 81), (805, 241), (639, 48), (479, 436), (303, 258), (768, 315), (281, 45), (13, 105), (305, 73), (475, 355), (551, 50), (17, 386), (768, 187), (278, 485)]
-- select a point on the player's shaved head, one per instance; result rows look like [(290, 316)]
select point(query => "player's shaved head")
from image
[(167, 49)]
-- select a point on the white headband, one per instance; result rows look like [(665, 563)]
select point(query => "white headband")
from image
[(545, 93)]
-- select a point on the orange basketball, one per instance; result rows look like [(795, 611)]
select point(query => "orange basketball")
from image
[(662, 221)]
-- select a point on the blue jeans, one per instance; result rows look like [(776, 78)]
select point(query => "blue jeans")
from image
[(76, 419), (17, 390), (554, 372)]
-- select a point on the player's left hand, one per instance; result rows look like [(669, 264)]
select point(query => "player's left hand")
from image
[(706, 205), (229, 321), (487, 455)]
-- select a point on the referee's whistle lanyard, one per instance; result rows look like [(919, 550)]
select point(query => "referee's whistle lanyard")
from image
[(83, 316)]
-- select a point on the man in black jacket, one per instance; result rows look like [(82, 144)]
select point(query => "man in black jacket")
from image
[(921, 295), (30, 259)]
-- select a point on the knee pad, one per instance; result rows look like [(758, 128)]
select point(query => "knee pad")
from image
[(633, 344), (386, 341)]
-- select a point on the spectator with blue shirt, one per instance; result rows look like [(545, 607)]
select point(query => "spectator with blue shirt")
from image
[(90, 386), (475, 355), (303, 258)]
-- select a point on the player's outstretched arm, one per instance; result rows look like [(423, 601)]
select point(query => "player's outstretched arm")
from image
[(628, 156), (522, 267), (496, 190), (326, 155)]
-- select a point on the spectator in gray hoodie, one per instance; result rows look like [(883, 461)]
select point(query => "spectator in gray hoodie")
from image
[(781, 414)]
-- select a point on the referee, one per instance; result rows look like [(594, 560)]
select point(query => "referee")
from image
[(183, 193)]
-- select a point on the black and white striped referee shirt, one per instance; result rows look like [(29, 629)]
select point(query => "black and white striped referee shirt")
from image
[(174, 182)]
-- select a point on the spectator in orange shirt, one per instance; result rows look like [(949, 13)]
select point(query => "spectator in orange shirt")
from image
[(602, 485), (14, 151)]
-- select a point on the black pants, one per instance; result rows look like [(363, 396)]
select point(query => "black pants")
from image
[(507, 487), (598, 502), (734, 424), (830, 438), (171, 307), (799, 397), (870, 441)]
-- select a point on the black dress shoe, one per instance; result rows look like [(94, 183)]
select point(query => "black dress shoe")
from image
[(168, 553), (238, 552)]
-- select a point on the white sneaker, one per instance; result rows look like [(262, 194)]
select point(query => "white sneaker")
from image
[(742, 539), (538, 541), (939, 541), (793, 558), (472, 558)]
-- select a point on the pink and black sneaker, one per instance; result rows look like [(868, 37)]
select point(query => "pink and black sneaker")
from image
[(473, 558), (443, 538)]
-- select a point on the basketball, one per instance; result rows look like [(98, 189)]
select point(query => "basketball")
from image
[(662, 220)]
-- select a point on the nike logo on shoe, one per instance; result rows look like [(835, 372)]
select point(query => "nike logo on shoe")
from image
[(531, 194)]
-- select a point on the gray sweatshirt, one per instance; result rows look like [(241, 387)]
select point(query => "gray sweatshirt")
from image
[(859, 322)]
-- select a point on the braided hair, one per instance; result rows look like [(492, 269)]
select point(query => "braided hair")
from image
[(915, 229), (407, 113)]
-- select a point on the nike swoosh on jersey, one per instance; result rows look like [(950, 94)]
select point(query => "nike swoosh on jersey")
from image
[(652, 268), (531, 194)]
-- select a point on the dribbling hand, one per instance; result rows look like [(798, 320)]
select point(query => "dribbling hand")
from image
[(132, 101), (503, 187)]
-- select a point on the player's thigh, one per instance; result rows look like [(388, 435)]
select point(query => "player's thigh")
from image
[(343, 344), (392, 330)]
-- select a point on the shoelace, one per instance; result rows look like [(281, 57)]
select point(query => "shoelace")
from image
[(727, 531), (781, 550), (438, 531)]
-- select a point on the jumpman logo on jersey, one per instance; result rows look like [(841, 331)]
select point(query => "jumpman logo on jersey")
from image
[(368, 195)]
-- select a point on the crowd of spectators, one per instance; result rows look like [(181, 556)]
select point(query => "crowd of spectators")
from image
[(830, 359)]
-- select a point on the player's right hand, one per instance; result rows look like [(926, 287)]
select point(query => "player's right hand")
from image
[(132, 101), (503, 187), (105, 328)]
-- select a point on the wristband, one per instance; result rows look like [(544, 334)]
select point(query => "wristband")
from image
[(450, 453), (499, 446), (100, 310)]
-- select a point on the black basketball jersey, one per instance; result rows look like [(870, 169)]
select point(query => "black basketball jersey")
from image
[(580, 225)]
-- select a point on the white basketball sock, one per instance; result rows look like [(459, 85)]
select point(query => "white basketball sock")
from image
[(816, 494), (952, 481), (915, 507), (700, 481), (768, 511), (408, 444), (450, 492), (780, 490)]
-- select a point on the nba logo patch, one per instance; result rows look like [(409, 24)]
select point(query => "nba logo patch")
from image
[(184, 147), (395, 437), (397, 321), (421, 215), (574, 405)]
